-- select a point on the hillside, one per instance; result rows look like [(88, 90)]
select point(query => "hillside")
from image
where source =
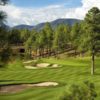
[(53, 24)]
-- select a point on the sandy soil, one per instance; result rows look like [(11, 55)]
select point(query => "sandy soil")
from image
[(45, 84), (55, 65), (20, 87), (12, 88), (43, 65)]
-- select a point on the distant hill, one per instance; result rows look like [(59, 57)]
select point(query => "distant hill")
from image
[(53, 24), (23, 27), (57, 22)]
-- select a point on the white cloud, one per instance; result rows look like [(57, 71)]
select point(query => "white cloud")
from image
[(80, 12), (31, 16)]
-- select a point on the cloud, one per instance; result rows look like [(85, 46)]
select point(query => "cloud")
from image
[(80, 12), (32, 16)]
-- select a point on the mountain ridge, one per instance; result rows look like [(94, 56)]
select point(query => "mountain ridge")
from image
[(54, 23)]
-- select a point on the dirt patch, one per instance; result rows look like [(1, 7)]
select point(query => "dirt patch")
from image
[(20, 87), (12, 88)]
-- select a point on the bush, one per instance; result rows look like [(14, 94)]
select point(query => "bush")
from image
[(84, 92), (5, 55)]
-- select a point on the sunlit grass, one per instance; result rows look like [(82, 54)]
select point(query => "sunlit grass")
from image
[(73, 70)]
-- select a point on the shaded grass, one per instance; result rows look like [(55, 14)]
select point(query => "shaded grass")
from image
[(73, 70)]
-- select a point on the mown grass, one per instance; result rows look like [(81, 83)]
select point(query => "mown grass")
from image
[(73, 70)]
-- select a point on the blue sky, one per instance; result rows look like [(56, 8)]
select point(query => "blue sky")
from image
[(43, 3), (32, 12)]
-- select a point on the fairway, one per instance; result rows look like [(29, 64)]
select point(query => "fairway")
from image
[(72, 70)]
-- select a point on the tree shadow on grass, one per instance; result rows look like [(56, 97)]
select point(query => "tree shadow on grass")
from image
[(83, 73), (96, 74), (88, 74), (9, 80)]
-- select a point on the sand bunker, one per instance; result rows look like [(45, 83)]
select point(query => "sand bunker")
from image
[(43, 65), (44, 84), (55, 65), (20, 87)]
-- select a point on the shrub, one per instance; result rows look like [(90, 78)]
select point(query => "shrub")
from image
[(84, 92), (5, 55)]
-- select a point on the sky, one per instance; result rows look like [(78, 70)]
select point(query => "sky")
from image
[(44, 3), (32, 12)]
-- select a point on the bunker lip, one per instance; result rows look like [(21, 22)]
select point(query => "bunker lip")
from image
[(20, 87)]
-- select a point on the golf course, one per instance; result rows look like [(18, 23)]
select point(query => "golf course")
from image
[(49, 49), (71, 70)]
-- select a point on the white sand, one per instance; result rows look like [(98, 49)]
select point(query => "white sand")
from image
[(44, 84), (43, 65), (39, 65), (55, 65)]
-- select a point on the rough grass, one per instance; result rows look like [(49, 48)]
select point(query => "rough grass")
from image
[(73, 70)]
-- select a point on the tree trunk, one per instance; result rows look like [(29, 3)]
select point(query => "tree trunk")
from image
[(30, 52), (92, 63), (36, 54)]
